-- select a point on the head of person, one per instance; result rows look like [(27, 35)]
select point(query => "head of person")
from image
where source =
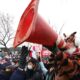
[(71, 39), (32, 64), (24, 50)]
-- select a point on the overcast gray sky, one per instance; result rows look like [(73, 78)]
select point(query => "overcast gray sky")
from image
[(58, 12)]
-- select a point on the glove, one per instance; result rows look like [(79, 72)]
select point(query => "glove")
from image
[(24, 53)]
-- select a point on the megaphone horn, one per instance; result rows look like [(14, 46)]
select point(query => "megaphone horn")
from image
[(32, 28)]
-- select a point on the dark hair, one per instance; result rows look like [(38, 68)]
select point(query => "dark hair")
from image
[(34, 61), (24, 50)]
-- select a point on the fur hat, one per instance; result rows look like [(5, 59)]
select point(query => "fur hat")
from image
[(69, 37)]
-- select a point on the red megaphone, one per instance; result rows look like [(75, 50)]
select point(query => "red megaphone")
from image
[(32, 28)]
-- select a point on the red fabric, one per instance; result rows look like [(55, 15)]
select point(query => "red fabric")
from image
[(30, 54)]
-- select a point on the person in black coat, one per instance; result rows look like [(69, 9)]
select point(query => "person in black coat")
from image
[(34, 71)]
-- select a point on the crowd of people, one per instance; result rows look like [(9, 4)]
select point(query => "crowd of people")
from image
[(62, 64)]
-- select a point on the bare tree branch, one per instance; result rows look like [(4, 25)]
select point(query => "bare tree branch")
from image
[(6, 33)]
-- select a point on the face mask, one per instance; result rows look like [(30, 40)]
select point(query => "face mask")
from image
[(30, 67)]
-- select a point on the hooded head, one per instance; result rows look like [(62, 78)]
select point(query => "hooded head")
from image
[(24, 50)]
